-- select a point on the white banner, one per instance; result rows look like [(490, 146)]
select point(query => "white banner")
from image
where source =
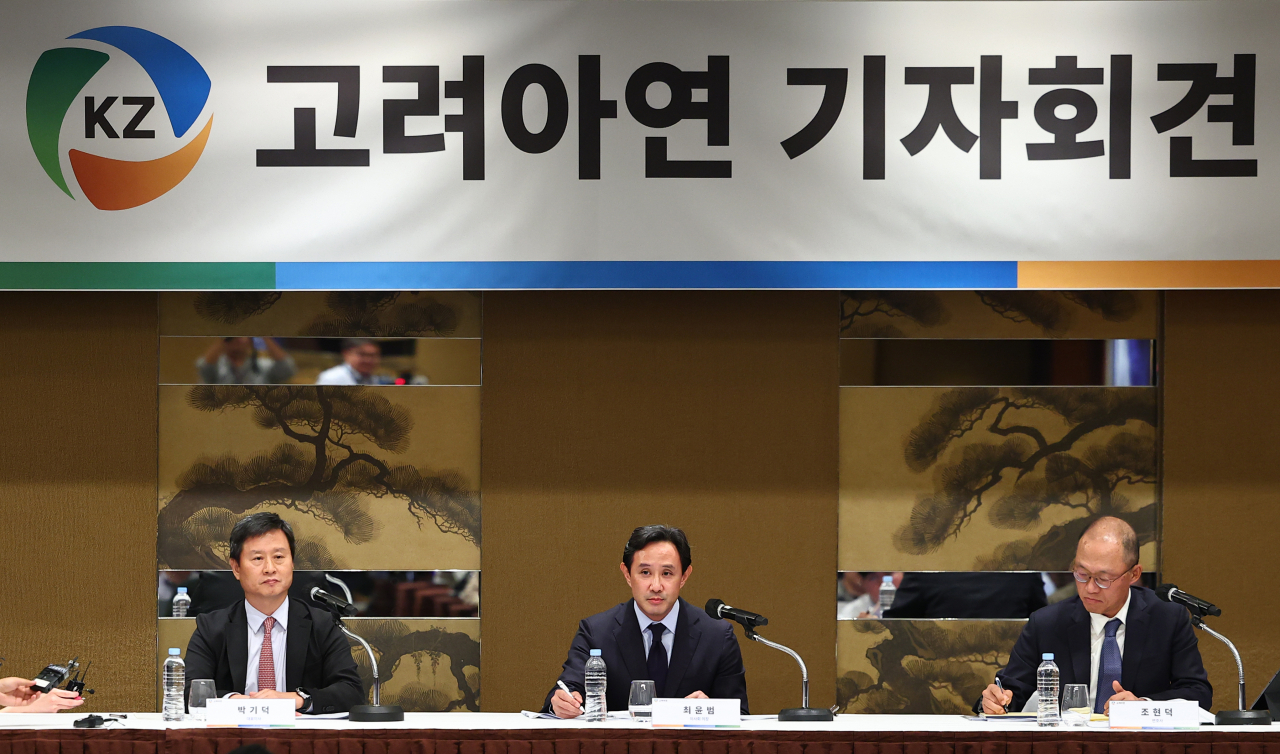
[(777, 133)]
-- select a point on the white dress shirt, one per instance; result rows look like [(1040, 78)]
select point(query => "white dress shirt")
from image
[(344, 374), (1097, 633), (279, 642), (669, 623)]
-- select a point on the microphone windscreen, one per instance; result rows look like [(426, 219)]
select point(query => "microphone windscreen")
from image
[(1163, 591), (713, 607)]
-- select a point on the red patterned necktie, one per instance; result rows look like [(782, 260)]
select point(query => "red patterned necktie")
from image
[(266, 659)]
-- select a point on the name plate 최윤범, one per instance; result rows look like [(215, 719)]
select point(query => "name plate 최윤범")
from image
[(257, 713), (697, 713), (1174, 714)]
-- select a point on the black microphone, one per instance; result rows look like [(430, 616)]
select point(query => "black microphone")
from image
[(1171, 593), (717, 609), (336, 604)]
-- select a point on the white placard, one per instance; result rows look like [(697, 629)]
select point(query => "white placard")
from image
[(272, 713), (697, 713), (1174, 714)]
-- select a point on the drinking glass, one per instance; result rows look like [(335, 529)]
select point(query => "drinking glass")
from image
[(1075, 704), (202, 690), (640, 704)]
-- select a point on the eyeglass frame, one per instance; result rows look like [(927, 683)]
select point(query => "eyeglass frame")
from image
[(1075, 574)]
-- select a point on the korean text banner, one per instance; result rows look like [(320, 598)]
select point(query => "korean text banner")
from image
[(442, 144)]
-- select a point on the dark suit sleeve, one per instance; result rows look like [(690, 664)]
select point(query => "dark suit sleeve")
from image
[(1188, 679), (1019, 676), (340, 687), (202, 659), (731, 677), (911, 600), (575, 665)]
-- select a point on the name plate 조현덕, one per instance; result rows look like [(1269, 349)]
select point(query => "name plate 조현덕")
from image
[(697, 713), (1174, 714), (258, 713)]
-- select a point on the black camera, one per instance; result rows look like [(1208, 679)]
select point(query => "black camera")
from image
[(53, 676)]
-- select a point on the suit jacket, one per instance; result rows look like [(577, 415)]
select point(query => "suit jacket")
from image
[(968, 595), (704, 657), (1161, 658), (317, 656)]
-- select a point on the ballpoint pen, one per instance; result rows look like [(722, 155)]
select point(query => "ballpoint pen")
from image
[(567, 691), (999, 685)]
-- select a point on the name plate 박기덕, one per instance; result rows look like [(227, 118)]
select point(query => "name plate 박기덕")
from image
[(697, 713), (1174, 714), (256, 713)]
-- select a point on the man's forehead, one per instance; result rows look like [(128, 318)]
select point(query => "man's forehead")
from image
[(658, 553)]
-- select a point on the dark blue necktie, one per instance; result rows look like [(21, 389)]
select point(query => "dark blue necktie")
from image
[(658, 660), (1108, 665)]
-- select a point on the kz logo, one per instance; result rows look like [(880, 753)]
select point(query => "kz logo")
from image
[(57, 81)]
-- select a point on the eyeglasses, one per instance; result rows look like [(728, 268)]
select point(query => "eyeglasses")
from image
[(1103, 583)]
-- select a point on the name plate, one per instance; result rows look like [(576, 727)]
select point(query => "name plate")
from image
[(1176, 714), (258, 713), (697, 713)]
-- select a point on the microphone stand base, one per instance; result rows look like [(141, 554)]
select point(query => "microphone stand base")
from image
[(1242, 717), (376, 713), (805, 715)]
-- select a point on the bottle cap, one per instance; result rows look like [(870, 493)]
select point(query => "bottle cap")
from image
[(1047, 656), (595, 653), (182, 590), (887, 580), (174, 651)]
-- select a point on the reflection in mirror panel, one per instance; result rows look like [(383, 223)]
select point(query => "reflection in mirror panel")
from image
[(244, 360), (886, 362), (985, 595), (376, 594)]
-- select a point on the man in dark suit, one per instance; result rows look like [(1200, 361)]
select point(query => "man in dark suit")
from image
[(268, 646), (968, 595), (1117, 637), (654, 636)]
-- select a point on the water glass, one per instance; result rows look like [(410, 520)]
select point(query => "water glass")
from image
[(640, 703), (202, 690), (1075, 705)]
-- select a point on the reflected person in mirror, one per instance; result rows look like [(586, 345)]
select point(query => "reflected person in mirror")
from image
[(655, 635), (361, 358), (268, 646), (236, 361), (1115, 636)]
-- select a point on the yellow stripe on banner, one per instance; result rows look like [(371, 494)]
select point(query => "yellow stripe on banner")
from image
[(1144, 274)]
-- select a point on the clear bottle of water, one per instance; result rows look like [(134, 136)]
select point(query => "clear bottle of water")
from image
[(181, 603), (596, 680), (1047, 713), (887, 592), (175, 685)]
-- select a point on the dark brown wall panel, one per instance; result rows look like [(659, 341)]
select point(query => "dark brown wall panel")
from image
[(1221, 476), (714, 411), (77, 488)]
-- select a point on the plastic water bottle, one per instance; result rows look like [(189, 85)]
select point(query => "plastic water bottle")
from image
[(181, 603), (175, 685), (1047, 713), (596, 680), (887, 592)]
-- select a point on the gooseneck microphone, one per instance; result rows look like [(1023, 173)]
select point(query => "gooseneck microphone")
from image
[(336, 604), (1171, 593), (717, 609)]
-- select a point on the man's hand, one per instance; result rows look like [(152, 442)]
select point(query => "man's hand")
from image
[(15, 692), (1120, 696), (565, 706), (995, 698), (297, 700), (697, 695)]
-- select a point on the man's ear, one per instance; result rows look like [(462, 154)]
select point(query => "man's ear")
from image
[(685, 576), (626, 574), (235, 567)]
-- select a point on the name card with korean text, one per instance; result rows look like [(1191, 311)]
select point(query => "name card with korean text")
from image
[(1176, 714), (697, 713), (256, 713)]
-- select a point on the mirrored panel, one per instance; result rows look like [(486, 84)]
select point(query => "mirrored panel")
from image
[(375, 594), (969, 361), (246, 360)]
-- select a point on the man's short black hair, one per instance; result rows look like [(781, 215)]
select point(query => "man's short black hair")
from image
[(256, 525), (350, 343), (644, 536)]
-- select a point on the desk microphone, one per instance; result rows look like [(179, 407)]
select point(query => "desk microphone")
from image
[(717, 609), (1171, 593), (336, 604)]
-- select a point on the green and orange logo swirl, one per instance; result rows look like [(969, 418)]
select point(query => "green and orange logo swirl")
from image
[(57, 80)]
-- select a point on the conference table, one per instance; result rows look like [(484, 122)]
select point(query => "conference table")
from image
[(498, 733)]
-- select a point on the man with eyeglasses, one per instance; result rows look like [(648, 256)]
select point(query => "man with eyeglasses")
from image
[(1114, 635)]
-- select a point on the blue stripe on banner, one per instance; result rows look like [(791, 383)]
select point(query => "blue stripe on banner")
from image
[(640, 275)]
